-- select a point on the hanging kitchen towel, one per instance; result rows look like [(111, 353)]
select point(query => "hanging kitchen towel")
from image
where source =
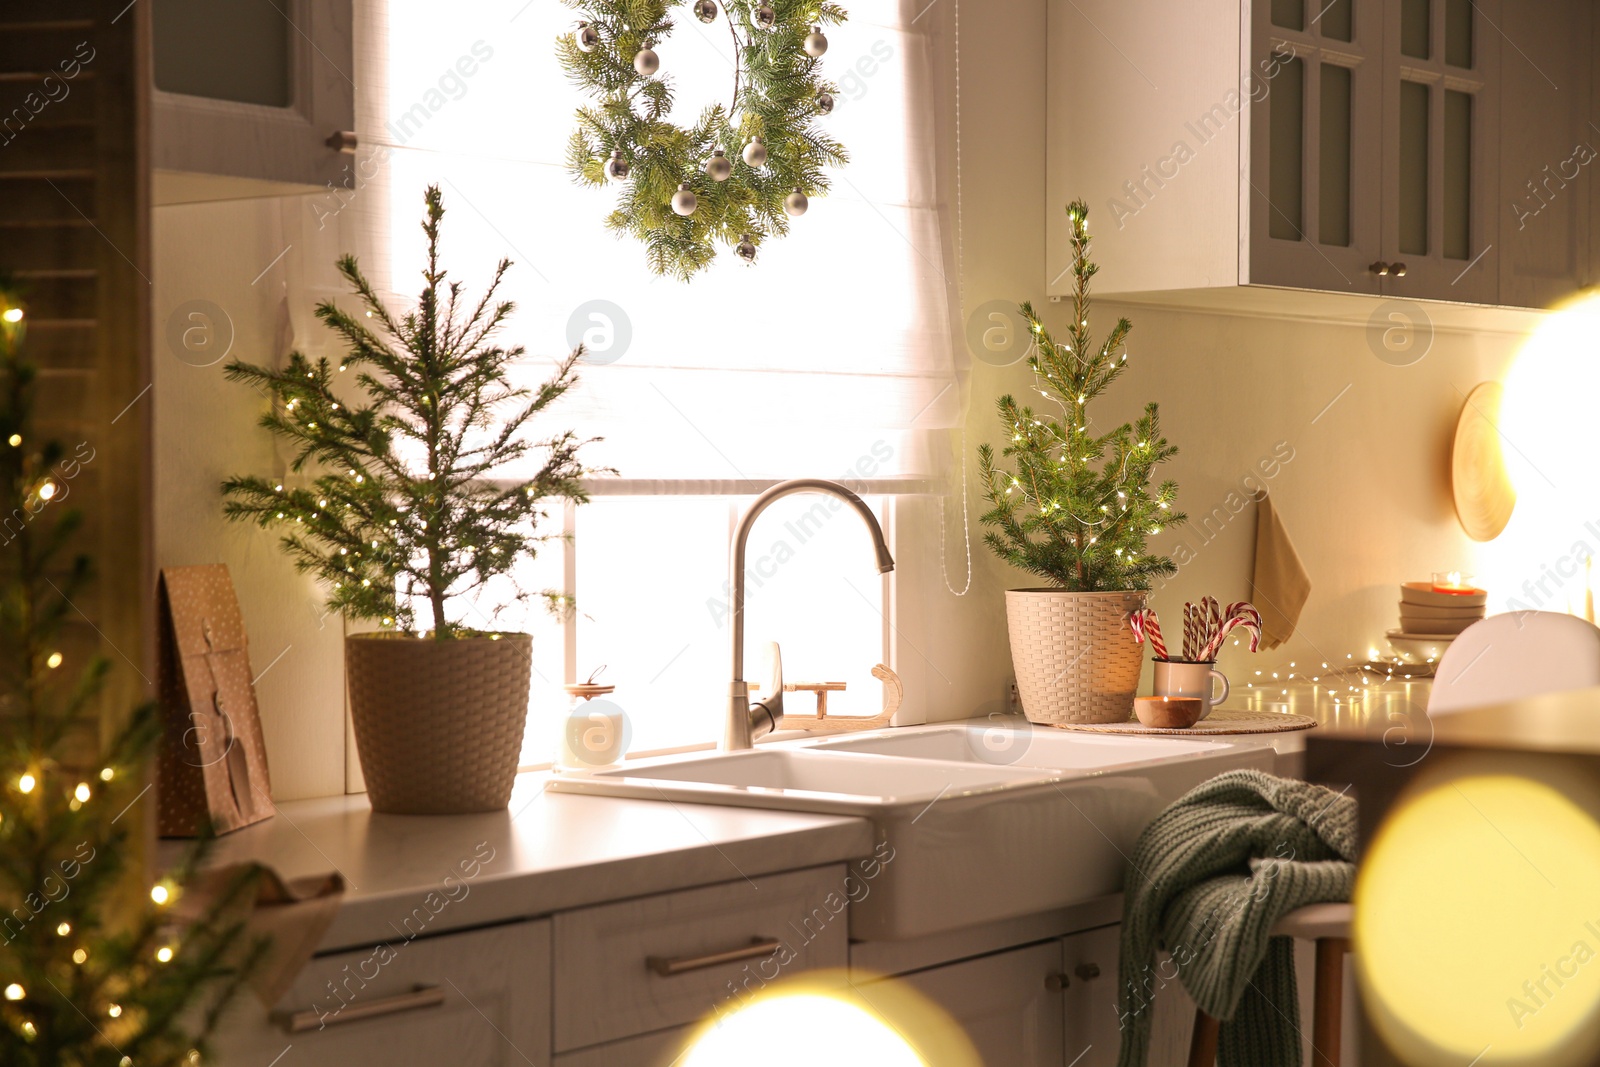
[(213, 759), (1280, 585), (286, 918), (1208, 879)]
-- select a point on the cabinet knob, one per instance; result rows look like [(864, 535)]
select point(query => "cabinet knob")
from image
[(1056, 982), (1086, 971), (1380, 268), (1398, 269), (342, 141)]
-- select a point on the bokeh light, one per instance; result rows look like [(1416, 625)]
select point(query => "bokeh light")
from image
[(818, 1018), (1477, 923)]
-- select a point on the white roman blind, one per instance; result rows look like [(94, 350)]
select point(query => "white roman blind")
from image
[(835, 346)]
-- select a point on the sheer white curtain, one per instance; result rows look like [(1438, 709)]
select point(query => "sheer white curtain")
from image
[(835, 346), (832, 356)]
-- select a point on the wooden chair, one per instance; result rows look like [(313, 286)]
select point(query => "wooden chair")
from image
[(1329, 926), (1518, 654), (1504, 657)]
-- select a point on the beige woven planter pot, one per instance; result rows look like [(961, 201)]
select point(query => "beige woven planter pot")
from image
[(1075, 657), (438, 723)]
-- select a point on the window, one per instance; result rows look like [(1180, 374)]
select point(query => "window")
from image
[(707, 392), (650, 574)]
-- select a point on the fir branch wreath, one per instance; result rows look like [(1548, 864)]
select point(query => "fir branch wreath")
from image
[(745, 167)]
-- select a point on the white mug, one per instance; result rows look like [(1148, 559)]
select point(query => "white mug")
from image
[(1175, 678)]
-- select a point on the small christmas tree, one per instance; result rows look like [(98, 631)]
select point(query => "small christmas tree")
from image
[(92, 969), (405, 506), (1058, 514)]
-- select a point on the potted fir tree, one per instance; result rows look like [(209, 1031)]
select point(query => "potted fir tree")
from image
[(404, 512), (1076, 510)]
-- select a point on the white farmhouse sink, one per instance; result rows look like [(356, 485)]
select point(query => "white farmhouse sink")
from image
[(801, 780), (1018, 746), (966, 836)]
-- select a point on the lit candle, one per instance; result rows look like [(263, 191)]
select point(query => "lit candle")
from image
[(1455, 583)]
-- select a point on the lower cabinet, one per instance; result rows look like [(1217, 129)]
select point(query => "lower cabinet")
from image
[(1094, 1024), (661, 1049), (1052, 1003), (628, 984), (624, 984), (1089, 997), (656, 963), (1010, 1003), (475, 999)]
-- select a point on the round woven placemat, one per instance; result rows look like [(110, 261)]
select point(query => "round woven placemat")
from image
[(1220, 721)]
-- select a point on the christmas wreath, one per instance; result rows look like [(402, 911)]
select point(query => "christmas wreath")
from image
[(745, 168)]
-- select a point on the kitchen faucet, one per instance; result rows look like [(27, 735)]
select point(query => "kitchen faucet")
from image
[(747, 721)]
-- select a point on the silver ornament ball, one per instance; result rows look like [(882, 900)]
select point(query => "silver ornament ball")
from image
[(587, 36), (684, 201), (755, 153), (816, 44), (766, 18), (705, 10), (796, 203), (717, 167), (617, 168), (825, 103), (745, 249), (646, 62)]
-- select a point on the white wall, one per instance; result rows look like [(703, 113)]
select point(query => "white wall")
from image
[(219, 261)]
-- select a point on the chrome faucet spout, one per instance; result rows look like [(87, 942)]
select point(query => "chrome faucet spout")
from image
[(744, 723)]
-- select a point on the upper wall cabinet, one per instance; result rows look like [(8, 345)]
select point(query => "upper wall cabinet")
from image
[(1548, 151), (1351, 146), (251, 97)]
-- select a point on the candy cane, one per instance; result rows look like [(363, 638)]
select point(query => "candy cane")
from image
[(1246, 617), (1145, 625), (1191, 631), (1248, 610)]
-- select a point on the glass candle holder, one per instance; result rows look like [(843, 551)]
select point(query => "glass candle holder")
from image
[(1454, 582)]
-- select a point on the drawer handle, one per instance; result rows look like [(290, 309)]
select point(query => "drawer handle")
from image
[(430, 996), (667, 966)]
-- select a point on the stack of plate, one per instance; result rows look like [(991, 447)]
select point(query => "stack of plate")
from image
[(1429, 621)]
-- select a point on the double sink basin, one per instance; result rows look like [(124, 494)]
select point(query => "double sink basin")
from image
[(976, 822)]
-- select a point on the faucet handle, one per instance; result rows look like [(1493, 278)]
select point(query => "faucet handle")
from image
[(767, 713)]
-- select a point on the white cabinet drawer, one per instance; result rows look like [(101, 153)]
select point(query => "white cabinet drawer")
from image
[(478, 999), (656, 962)]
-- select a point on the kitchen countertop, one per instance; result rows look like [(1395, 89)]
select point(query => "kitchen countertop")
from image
[(1344, 699), (545, 853), (549, 852)]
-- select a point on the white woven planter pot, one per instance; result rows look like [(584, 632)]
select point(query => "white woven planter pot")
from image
[(1075, 657), (438, 724)]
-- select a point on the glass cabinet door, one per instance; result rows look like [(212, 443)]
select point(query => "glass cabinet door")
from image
[(250, 97), (1314, 88), (1440, 127), (1547, 152)]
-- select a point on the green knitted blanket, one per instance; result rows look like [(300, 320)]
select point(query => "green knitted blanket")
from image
[(1207, 880)]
